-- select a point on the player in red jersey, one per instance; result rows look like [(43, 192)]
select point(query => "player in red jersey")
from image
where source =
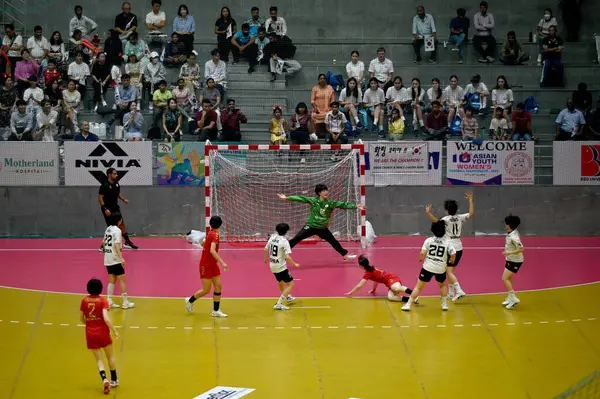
[(209, 269), (94, 314), (378, 276)]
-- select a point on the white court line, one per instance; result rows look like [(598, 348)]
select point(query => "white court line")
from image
[(306, 297), (295, 249), (310, 307)]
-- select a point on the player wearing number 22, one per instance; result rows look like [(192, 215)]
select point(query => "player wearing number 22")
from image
[(209, 269), (94, 314), (454, 225), (437, 252), (320, 216)]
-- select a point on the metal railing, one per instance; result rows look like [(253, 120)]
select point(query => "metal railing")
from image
[(13, 12)]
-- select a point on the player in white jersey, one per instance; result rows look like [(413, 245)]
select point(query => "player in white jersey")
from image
[(513, 251), (454, 223), (437, 252), (277, 253), (113, 260)]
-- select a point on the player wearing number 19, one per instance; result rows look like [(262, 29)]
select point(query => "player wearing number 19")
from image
[(94, 314), (437, 252), (454, 225), (277, 253), (320, 215)]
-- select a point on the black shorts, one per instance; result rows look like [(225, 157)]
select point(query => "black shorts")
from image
[(284, 276), (116, 270), (456, 259), (513, 266), (425, 276), (106, 218)]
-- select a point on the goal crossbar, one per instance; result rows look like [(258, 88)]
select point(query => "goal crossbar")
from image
[(241, 181)]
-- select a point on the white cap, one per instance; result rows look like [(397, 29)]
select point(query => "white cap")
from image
[(153, 54)]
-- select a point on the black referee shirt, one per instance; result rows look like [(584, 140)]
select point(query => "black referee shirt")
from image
[(111, 192)]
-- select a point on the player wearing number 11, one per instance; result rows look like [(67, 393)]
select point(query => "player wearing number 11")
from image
[(454, 225), (320, 216)]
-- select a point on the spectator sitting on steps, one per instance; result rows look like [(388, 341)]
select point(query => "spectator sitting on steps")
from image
[(206, 122), (499, 129), (381, 69), (395, 126), (47, 122), (217, 70), (243, 43), (521, 124), (21, 123), (569, 123), (175, 51), (543, 30), (278, 127), (278, 66), (276, 24), (255, 21), (469, 126), (512, 51), (155, 22), (436, 122), (477, 86), (154, 73), (484, 25), (132, 123), (335, 123), (125, 94), (356, 69), (85, 134), (231, 117), (423, 25), (459, 32)]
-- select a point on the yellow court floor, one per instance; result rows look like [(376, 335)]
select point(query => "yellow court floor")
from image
[(322, 348)]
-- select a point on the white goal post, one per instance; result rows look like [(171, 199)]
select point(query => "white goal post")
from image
[(242, 182)]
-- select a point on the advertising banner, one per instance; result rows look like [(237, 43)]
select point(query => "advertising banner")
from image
[(86, 163), (576, 163), (180, 164), (29, 163), (490, 163), (412, 163)]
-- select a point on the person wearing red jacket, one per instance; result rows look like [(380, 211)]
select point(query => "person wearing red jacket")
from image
[(230, 120)]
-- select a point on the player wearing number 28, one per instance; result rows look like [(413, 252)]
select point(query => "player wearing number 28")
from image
[(437, 252), (454, 223), (320, 215)]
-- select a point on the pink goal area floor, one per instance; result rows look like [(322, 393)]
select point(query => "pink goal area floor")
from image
[(168, 267)]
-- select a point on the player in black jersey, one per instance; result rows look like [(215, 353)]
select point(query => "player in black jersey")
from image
[(108, 197)]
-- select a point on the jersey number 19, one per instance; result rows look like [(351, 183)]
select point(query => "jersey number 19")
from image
[(274, 252)]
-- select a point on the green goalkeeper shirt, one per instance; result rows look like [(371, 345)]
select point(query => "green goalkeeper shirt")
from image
[(320, 210)]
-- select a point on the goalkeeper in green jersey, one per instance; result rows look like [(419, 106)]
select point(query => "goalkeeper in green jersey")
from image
[(321, 209)]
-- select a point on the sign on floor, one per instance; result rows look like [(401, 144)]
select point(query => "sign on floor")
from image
[(225, 393)]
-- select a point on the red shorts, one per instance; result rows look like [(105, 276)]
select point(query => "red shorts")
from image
[(209, 271), (392, 282), (98, 341)]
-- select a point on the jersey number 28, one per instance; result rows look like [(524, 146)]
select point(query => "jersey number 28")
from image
[(437, 251)]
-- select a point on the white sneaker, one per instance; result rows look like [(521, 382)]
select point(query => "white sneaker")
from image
[(280, 307), (128, 305), (114, 384), (150, 107), (113, 305), (101, 249), (188, 305), (539, 59), (190, 119), (127, 246), (458, 295), (290, 298), (349, 257), (405, 307), (104, 104), (512, 303), (96, 108), (416, 301), (444, 306), (506, 302), (218, 313)]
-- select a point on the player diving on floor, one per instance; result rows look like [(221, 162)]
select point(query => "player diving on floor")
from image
[(321, 209)]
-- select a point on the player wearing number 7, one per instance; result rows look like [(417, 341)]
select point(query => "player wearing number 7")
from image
[(454, 225), (437, 252), (320, 217)]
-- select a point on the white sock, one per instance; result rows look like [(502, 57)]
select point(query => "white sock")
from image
[(444, 301), (124, 295), (356, 119), (110, 291), (380, 127), (511, 295), (457, 287), (376, 121), (451, 289), (421, 122), (280, 300)]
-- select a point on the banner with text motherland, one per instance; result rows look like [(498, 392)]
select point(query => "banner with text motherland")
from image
[(490, 163)]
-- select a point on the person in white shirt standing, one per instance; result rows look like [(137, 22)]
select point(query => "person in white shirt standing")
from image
[(423, 25), (114, 261), (155, 22), (513, 251), (81, 22), (216, 70), (277, 253), (437, 252), (454, 225)]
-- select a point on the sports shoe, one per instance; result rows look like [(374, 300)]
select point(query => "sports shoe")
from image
[(150, 107), (106, 386), (114, 384), (539, 59), (188, 305), (279, 307), (458, 295), (444, 306), (130, 245), (490, 59), (349, 257), (359, 125), (290, 298), (218, 313), (128, 305), (512, 303), (506, 301), (405, 307), (113, 305), (416, 301)]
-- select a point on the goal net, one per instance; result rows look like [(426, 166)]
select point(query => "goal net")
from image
[(242, 183)]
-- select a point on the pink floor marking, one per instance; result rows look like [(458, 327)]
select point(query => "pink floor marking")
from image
[(159, 269)]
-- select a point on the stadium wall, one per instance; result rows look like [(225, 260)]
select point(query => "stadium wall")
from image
[(74, 211)]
